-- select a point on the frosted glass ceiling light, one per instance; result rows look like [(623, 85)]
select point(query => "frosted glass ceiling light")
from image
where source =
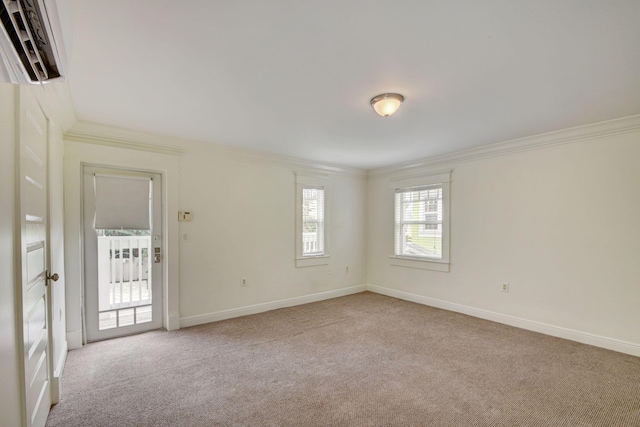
[(387, 103)]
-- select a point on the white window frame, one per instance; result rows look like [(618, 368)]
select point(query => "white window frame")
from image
[(317, 236), (413, 184), (305, 181)]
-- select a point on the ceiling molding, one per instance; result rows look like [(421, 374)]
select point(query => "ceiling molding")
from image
[(78, 136), (293, 163), (93, 133), (565, 136)]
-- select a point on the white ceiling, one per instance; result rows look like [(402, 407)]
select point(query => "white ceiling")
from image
[(295, 77)]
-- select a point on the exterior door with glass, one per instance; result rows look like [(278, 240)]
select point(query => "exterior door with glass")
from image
[(123, 253)]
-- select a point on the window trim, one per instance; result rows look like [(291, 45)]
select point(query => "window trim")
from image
[(427, 263), (319, 182)]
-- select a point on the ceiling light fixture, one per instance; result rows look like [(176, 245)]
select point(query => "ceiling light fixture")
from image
[(387, 104)]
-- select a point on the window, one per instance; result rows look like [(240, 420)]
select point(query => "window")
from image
[(421, 229), (419, 222), (311, 220)]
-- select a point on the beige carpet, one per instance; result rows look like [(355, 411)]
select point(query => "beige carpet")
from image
[(361, 360)]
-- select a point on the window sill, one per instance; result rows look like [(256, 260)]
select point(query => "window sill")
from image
[(312, 261), (424, 264)]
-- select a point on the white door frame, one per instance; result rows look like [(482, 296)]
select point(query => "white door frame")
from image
[(90, 296), (103, 151)]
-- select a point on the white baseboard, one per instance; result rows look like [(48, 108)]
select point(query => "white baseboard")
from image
[(74, 340), (62, 360), (173, 323), (518, 322), (267, 306), (56, 390), (531, 325)]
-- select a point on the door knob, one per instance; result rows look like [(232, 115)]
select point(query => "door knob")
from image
[(53, 277)]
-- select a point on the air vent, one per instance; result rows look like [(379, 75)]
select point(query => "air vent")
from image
[(26, 44)]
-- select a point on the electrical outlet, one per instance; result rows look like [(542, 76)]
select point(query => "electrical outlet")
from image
[(505, 287), (244, 281)]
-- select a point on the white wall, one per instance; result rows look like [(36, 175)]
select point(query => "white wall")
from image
[(559, 224), (243, 225), (556, 222), (10, 363)]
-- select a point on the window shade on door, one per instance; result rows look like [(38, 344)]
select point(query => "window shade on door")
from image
[(122, 202)]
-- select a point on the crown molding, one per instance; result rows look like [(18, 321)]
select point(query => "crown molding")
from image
[(564, 136), (90, 133), (98, 134), (93, 133)]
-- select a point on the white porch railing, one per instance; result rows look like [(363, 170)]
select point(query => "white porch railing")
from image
[(310, 243), (124, 268)]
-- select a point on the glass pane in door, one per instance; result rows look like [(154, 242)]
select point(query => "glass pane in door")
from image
[(124, 278)]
